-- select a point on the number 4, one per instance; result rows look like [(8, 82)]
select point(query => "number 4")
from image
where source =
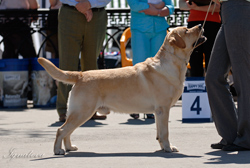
[(196, 105)]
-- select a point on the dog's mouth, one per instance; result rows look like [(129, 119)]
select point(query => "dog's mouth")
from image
[(201, 40)]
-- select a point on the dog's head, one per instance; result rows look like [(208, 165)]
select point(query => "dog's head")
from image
[(42, 82), (184, 40)]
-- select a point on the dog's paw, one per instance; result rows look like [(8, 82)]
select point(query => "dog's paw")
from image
[(171, 149), (59, 152), (72, 148), (174, 149), (168, 150)]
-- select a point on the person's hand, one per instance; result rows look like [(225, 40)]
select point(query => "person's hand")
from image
[(192, 6), (88, 14), (150, 11), (83, 6), (217, 1), (159, 5)]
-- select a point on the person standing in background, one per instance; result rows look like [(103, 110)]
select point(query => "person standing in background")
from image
[(81, 29), (16, 33), (148, 29), (212, 25), (52, 32)]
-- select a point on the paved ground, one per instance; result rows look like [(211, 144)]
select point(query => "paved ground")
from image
[(117, 142)]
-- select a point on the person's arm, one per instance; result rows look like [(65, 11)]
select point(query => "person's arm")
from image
[(159, 5), (10, 4), (84, 5), (98, 3), (217, 1), (183, 5), (150, 11), (156, 12), (165, 11), (33, 4), (136, 5), (89, 15), (204, 8), (53, 2)]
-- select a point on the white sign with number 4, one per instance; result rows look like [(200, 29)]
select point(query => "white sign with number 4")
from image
[(195, 105)]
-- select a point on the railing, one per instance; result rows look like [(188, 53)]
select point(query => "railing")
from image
[(118, 21)]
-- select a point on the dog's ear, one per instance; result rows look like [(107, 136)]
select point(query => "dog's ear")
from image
[(175, 39)]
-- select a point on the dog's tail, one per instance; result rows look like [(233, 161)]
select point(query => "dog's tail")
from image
[(68, 77)]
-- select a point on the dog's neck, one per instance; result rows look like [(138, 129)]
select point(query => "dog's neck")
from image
[(164, 59), (170, 50), (183, 60)]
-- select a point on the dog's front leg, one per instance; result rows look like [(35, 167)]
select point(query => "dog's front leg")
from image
[(162, 117)]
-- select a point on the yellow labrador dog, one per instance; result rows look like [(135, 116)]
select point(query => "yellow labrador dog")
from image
[(152, 86)]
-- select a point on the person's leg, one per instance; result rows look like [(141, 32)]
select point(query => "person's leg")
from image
[(220, 98), (196, 58), (196, 63), (9, 48), (70, 36), (25, 46), (140, 44), (210, 31), (94, 34), (10, 39), (238, 38), (157, 41), (233, 125)]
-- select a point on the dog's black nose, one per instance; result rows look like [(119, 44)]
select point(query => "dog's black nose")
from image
[(200, 26)]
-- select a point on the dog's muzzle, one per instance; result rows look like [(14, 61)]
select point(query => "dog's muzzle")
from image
[(201, 39)]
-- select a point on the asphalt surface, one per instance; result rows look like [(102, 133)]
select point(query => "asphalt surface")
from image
[(27, 138)]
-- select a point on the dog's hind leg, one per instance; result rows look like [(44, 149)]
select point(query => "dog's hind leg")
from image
[(162, 119), (73, 121)]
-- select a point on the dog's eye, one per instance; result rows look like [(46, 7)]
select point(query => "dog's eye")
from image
[(186, 31)]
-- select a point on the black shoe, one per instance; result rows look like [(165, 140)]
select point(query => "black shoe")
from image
[(233, 148), (98, 117), (135, 116), (150, 116), (217, 145), (62, 118)]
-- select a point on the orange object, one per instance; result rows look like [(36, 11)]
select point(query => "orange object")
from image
[(126, 35)]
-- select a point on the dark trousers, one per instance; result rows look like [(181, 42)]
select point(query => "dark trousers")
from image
[(17, 40), (196, 59), (76, 36), (231, 49)]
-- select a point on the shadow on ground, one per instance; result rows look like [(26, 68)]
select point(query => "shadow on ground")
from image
[(139, 122), (224, 157), (92, 154), (90, 123)]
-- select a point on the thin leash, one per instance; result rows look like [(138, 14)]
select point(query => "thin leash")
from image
[(204, 23)]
